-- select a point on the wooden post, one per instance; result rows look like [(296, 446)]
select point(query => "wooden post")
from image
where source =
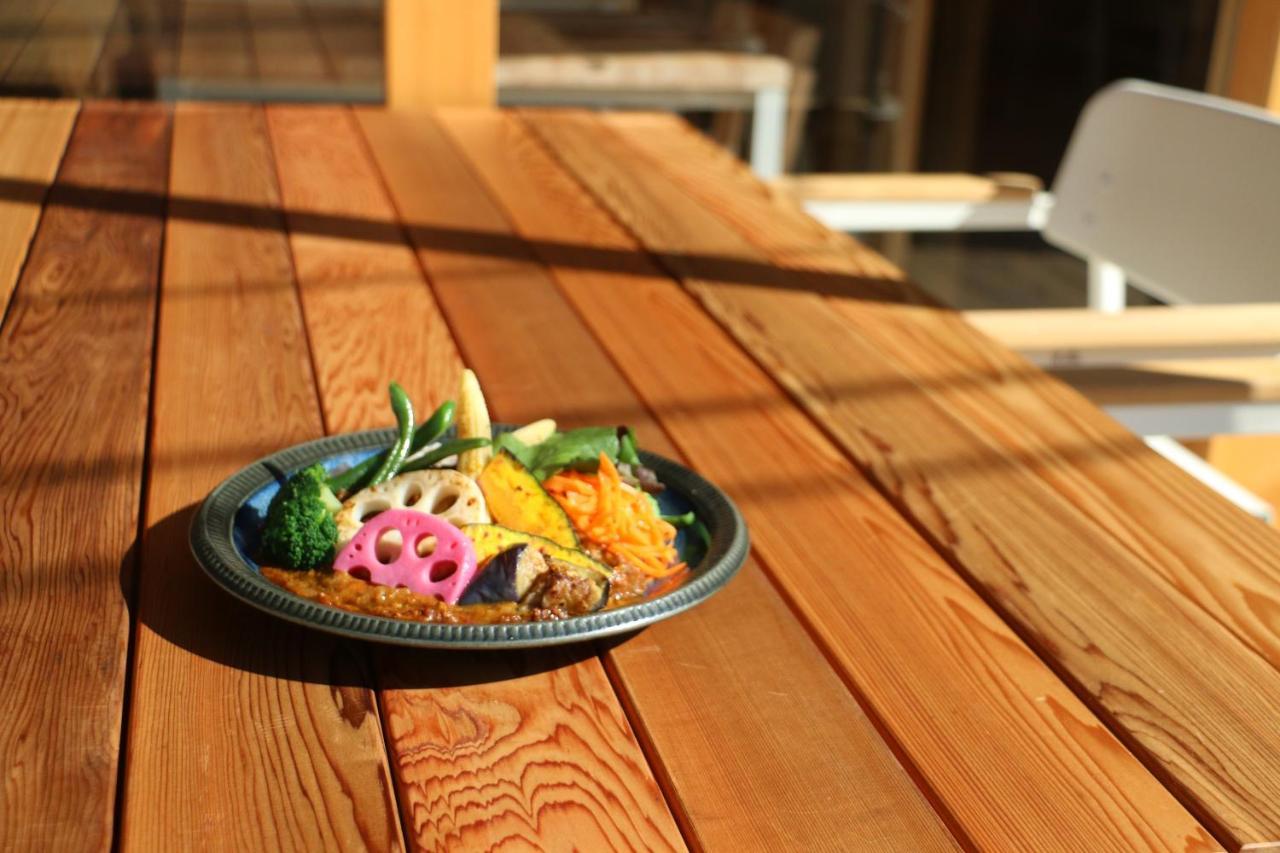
[(1245, 64), (440, 52)]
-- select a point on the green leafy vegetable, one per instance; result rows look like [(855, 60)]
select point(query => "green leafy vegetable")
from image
[(300, 532), (523, 453), (627, 446), (578, 449)]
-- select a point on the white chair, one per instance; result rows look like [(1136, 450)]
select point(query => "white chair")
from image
[(1176, 193)]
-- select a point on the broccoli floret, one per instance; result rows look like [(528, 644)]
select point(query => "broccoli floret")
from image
[(300, 532)]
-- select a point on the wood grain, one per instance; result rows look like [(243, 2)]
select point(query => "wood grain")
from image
[(918, 643), (75, 358), (246, 732), (534, 757), (33, 135), (519, 751), (752, 671), (370, 314), (1032, 514)]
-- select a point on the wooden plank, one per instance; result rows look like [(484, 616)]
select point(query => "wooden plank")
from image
[(1030, 514), (545, 752), (350, 34), (245, 732), (33, 135), (214, 45), (742, 653), (1075, 332), (71, 480), (1180, 380), (440, 52), (890, 186), (286, 48), (17, 22), (653, 71), (61, 54)]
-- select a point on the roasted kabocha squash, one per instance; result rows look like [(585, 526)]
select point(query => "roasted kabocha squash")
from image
[(516, 500)]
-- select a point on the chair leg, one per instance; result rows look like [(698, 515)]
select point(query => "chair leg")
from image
[(1211, 477), (1106, 286)]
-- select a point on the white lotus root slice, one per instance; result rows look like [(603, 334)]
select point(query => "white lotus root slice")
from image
[(441, 492)]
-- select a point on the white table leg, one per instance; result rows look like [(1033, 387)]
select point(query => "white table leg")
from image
[(1106, 286), (768, 132)]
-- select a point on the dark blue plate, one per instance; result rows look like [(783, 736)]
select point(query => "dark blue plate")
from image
[(225, 531)]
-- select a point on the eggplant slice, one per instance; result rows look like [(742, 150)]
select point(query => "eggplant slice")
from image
[(523, 574)]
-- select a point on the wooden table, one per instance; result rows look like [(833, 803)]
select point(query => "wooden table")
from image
[(978, 614)]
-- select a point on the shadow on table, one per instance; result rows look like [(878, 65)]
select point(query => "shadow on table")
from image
[(747, 270), (181, 606)]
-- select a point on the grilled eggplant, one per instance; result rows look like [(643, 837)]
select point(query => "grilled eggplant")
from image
[(507, 577), (525, 575)]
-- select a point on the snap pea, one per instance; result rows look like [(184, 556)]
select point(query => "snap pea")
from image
[(444, 451), (403, 407), (354, 478)]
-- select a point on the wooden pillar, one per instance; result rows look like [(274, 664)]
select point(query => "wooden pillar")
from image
[(1245, 64), (440, 53)]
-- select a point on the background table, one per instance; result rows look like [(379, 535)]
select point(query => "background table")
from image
[(978, 613)]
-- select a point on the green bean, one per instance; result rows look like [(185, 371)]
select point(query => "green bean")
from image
[(433, 427), (354, 478), (444, 451), (403, 408)]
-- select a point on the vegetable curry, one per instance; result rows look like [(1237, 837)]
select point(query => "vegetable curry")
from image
[(531, 525)]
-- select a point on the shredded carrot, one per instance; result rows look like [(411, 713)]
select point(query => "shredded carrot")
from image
[(617, 518)]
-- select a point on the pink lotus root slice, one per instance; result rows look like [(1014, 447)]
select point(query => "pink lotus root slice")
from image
[(444, 573)]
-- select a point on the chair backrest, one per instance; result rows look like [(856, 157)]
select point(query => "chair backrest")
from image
[(1178, 188)]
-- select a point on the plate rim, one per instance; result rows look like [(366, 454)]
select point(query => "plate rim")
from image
[(212, 545)]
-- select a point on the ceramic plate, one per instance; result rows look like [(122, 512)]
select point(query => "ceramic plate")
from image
[(224, 538)]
